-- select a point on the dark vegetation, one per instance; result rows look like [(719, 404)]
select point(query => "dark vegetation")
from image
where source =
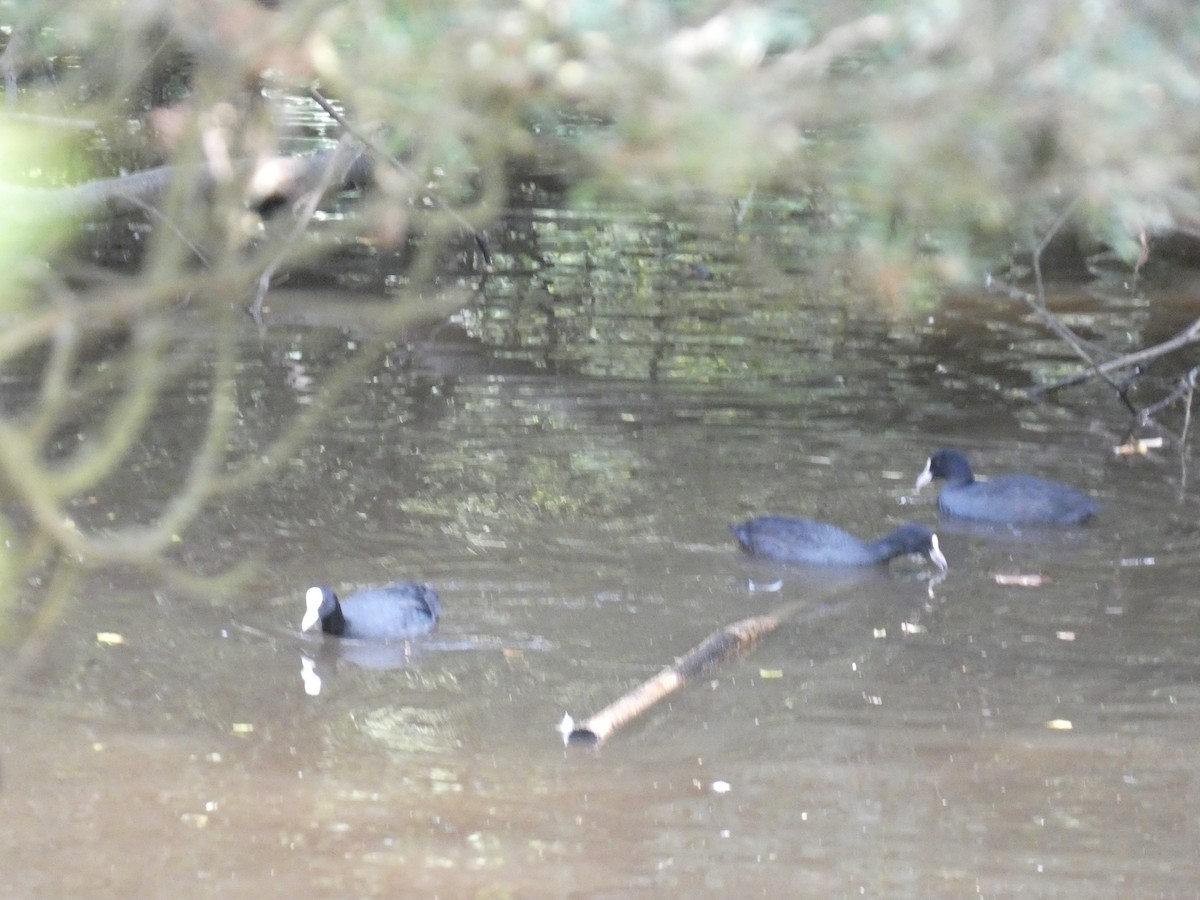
[(933, 141)]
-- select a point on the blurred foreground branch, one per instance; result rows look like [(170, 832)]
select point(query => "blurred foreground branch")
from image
[(934, 129)]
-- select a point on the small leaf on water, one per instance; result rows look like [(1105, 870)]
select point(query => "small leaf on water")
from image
[(1020, 580)]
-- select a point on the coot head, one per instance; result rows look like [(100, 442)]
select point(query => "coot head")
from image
[(946, 463), (321, 607), (918, 539)]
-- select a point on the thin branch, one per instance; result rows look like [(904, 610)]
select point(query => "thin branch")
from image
[(137, 543), (284, 447), (348, 149), (60, 591), (1190, 380), (1086, 350), (124, 422), (1079, 345), (382, 153), (1185, 338), (56, 376), (857, 37)]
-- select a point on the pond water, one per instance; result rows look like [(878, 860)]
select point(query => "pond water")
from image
[(562, 458)]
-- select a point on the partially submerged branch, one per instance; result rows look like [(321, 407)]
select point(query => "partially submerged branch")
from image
[(730, 642), (1091, 354)]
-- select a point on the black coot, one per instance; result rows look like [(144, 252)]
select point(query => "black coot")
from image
[(821, 544), (1004, 499), (393, 612)]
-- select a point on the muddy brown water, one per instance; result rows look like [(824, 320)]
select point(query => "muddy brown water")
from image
[(564, 473)]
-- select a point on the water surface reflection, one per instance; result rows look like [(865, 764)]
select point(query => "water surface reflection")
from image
[(979, 738)]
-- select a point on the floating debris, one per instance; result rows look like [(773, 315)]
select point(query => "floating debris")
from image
[(1138, 446), (767, 587), (1020, 580)]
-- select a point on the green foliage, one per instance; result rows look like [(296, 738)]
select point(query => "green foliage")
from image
[(28, 232), (971, 116)]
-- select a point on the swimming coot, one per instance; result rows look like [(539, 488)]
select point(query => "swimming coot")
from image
[(1004, 499), (821, 544), (393, 612)]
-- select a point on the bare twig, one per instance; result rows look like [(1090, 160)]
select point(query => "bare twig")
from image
[(855, 37), (285, 175), (60, 590), (382, 153), (1086, 350), (1185, 338), (741, 208), (1081, 347), (348, 149), (1190, 381), (1089, 353)]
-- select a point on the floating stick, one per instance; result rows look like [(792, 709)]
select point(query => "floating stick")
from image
[(732, 640)]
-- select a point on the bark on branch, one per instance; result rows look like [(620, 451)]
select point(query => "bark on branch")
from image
[(281, 177), (731, 641)]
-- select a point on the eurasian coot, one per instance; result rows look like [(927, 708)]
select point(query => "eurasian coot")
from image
[(1004, 499), (821, 544), (393, 612)]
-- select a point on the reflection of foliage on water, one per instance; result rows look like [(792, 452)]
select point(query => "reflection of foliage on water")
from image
[(594, 483), (488, 490), (410, 729), (613, 294)]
